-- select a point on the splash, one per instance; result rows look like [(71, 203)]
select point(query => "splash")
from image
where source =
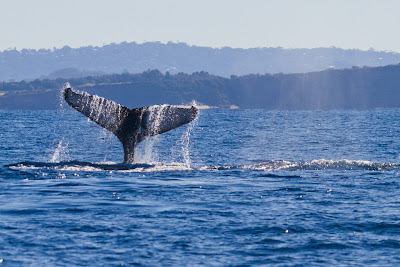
[(60, 153), (149, 154), (153, 121), (273, 165), (76, 167), (62, 104), (185, 140), (105, 139)]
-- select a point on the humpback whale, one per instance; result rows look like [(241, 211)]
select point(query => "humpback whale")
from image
[(131, 126)]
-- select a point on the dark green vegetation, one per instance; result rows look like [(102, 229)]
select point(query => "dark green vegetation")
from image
[(67, 62), (359, 88)]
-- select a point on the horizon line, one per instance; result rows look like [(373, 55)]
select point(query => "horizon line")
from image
[(196, 45)]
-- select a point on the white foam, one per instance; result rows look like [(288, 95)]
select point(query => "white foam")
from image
[(159, 168), (59, 152), (23, 167), (322, 164), (80, 169), (272, 165)]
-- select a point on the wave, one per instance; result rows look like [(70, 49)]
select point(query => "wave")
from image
[(324, 164), (76, 166), (97, 167), (272, 165)]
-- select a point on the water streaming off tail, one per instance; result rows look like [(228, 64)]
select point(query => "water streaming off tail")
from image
[(62, 103), (105, 140), (154, 120), (185, 140), (61, 151), (148, 153), (102, 110)]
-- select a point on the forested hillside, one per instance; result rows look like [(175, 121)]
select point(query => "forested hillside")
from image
[(359, 88), (67, 62)]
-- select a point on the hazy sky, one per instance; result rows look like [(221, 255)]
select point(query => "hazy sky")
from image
[(359, 24)]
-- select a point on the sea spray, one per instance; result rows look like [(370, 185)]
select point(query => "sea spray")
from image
[(60, 153), (62, 104), (149, 153), (105, 141), (185, 141), (154, 120)]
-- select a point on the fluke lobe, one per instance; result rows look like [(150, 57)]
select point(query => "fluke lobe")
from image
[(131, 126)]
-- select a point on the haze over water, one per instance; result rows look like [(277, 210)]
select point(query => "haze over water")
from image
[(239, 187)]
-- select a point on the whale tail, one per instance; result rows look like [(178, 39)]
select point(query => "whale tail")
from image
[(131, 126)]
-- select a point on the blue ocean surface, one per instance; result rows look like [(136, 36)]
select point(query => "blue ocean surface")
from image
[(233, 188)]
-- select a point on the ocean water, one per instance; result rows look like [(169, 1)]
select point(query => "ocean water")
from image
[(233, 188)]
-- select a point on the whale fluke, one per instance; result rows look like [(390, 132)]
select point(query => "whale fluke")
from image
[(131, 126)]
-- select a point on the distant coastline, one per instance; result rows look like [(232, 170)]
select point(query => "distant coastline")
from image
[(67, 62), (353, 88)]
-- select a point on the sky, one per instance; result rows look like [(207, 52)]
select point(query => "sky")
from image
[(348, 24)]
